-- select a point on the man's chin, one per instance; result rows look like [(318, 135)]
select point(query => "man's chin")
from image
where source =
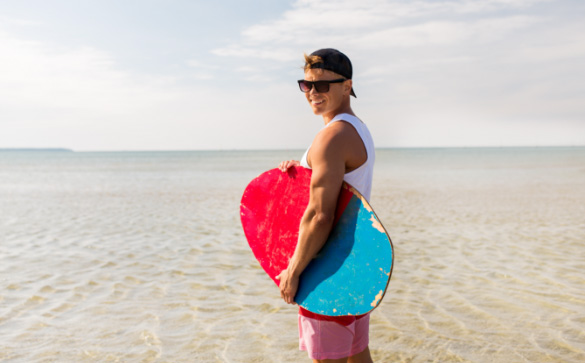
[(317, 110)]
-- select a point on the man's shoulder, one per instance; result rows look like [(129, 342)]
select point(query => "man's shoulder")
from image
[(339, 128), (337, 141), (338, 133)]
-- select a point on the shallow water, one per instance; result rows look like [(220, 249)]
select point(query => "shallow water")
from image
[(140, 257)]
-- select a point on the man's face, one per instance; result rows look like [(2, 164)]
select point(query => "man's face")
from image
[(327, 102)]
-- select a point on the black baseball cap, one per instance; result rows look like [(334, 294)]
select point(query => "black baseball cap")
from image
[(334, 61)]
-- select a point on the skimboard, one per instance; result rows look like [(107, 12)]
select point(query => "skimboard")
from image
[(350, 274)]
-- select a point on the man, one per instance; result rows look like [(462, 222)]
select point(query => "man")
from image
[(342, 150)]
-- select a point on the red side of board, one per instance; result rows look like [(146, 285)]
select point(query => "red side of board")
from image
[(271, 210)]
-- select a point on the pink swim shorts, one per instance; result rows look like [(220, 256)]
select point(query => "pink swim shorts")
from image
[(330, 340)]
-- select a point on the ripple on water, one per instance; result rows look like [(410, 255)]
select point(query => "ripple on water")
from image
[(135, 258)]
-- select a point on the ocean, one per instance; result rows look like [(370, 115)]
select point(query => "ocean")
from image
[(140, 257)]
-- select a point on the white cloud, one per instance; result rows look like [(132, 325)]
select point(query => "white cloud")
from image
[(81, 98), (422, 70), (34, 75), (20, 22), (387, 37), (399, 22), (203, 71), (492, 65), (200, 65), (274, 53)]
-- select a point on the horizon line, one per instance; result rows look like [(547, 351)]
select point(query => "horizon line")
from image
[(64, 149)]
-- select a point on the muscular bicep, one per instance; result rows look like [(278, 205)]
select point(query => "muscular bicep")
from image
[(328, 164)]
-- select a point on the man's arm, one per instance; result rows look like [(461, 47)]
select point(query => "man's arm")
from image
[(328, 159)]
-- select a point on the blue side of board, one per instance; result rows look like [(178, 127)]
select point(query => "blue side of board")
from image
[(354, 265)]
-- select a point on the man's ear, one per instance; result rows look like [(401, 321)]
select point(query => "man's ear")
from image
[(348, 85)]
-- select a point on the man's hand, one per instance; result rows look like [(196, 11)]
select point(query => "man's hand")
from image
[(285, 165), (288, 286)]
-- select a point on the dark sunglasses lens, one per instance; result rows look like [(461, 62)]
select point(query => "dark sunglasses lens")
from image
[(305, 86), (322, 86)]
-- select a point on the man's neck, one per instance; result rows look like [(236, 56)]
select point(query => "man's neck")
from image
[(346, 109)]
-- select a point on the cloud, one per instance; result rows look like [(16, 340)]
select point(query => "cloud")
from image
[(329, 18), (492, 65), (36, 75), (392, 22), (274, 53), (203, 71), (384, 34), (19, 22), (200, 65), (81, 98), (423, 69), (442, 33)]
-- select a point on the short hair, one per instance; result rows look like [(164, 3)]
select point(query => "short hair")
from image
[(310, 60)]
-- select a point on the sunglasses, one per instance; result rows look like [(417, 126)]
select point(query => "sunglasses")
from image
[(320, 86)]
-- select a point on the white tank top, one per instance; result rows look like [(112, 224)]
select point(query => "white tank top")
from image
[(360, 178)]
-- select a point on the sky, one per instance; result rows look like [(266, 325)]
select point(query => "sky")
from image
[(221, 75)]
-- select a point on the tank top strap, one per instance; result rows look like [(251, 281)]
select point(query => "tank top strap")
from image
[(353, 120)]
